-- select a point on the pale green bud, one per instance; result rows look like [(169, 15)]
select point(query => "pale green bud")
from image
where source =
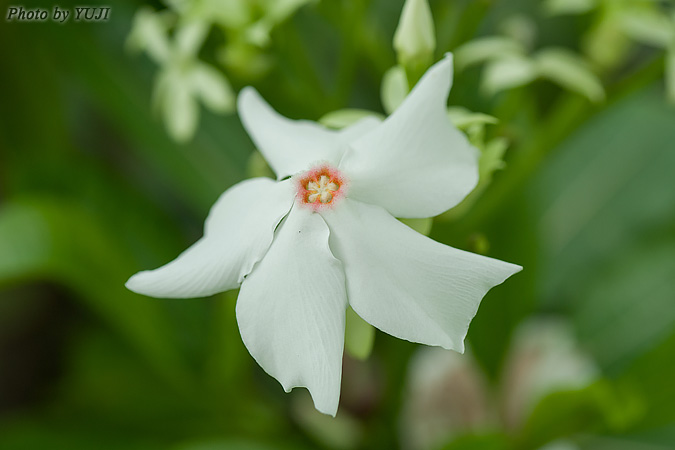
[(415, 40)]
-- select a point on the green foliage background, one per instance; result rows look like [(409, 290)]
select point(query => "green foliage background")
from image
[(92, 190)]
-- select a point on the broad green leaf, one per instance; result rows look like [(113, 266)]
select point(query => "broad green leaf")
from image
[(569, 71), (604, 211), (54, 240)]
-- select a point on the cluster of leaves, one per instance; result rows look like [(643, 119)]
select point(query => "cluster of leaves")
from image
[(174, 37), (93, 191)]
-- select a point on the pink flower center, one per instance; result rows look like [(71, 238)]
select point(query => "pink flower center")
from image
[(320, 186)]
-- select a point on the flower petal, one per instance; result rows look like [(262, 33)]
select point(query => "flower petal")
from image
[(416, 164), (289, 146), (237, 233), (291, 310), (406, 284)]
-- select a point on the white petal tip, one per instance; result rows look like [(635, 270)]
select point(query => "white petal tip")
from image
[(246, 95), (135, 283)]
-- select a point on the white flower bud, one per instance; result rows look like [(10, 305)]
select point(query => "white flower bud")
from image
[(414, 40)]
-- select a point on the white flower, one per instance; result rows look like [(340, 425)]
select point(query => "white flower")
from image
[(325, 236)]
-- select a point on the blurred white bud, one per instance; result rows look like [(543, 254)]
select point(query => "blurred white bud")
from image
[(545, 357), (414, 39)]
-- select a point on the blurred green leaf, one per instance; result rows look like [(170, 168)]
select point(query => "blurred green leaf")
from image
[(48, 239), (569, 71), (554, 7), (508, 72), (479, 442), (605, 212), (229, 444), (359, 336), (486, 49), (648, 26), (598, 408), (344, 117), (463, 118)]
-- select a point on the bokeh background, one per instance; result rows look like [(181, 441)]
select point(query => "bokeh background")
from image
[(575, 352)]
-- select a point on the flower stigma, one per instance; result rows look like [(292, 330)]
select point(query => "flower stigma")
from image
[(320, 186)]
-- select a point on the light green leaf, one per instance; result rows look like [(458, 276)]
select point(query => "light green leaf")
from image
[(258, 33), (648, 26), (279, 10), (149, 33), (521, 28), (492, 158), (559, 7), (507, 73), (486, 49), (359, 336), (394, 88), (189, 38), (463, 118), (344, 117), (569, 71), (212, 88), (180, 109)]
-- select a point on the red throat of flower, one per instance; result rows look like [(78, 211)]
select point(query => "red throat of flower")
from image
[(320, 187)]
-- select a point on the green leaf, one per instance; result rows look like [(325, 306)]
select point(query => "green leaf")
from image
[(604, 214), (558, 7), (212, 88), (569, 71), (359, 336), (670, 73), (54, 240), (599, 408), (149, 33), (486, 49), (464, 119), (189, 37), (507, 73), (648, 26), (180, 109), (422, 226), (344, 117)]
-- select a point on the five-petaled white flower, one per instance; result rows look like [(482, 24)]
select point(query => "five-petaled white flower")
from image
[(325, 236)]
